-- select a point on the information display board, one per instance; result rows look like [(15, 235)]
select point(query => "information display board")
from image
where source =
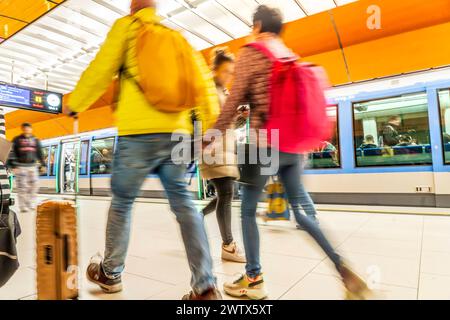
[(30, 99)]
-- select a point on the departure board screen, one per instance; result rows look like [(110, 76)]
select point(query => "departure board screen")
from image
[(30, 99)]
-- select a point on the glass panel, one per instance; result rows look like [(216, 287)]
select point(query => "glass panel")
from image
[(84, 157), (392, 131), (52, 160), (101, 156), (444, 103), (328, 154), (45, 156)]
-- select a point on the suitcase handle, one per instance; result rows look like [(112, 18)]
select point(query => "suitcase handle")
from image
[(66, 252)]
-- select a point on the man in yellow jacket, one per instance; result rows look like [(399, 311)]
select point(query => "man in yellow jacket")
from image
[(145, 146)]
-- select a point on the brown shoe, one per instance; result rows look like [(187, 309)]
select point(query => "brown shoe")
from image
[(95, 274), (356, 287), (211, 294)]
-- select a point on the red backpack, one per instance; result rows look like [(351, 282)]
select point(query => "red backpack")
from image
[(298, 108)]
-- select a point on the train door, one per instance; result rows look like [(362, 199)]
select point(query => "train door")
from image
[(68, 166)]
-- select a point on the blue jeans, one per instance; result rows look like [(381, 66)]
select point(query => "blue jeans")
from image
[(135, 158), (290, 171)]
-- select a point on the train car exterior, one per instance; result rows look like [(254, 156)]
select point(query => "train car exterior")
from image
[(391, 147)]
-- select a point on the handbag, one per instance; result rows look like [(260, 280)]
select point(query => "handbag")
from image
[(249, 170), (250, 165)]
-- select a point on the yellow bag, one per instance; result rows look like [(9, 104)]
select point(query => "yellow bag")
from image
[(168, 71), (278, 205)]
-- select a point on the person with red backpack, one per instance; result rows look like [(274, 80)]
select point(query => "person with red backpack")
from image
[(287, 100)]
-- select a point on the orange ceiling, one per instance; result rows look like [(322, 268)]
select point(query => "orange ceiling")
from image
[(17, 14), (316, 34), (412, 37)]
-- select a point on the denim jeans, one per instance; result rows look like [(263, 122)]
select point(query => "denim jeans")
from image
[(290, 171), (135, 158)]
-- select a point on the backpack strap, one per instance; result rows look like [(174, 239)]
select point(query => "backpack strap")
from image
[(262, 48)]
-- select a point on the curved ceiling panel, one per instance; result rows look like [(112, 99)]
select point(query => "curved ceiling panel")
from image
[(53, 51)]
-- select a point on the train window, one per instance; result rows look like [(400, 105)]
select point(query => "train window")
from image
[(52, 164), (444, 103), (392, 131), (45, 157), (101, 156), (84, 157), (327, 155)]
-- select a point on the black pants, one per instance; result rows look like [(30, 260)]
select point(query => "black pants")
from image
[(222, 205)]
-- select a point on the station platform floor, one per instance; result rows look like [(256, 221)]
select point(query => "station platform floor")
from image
[(402, 256)]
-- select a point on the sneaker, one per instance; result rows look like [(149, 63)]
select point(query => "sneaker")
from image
[(233, 253), (356, 288), (253, 289), (211, 294), (312, 218), (95, 274)]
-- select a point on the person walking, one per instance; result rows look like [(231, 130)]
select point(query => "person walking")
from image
[(223, 175), (150, 109), (251, 83), (25, 160)]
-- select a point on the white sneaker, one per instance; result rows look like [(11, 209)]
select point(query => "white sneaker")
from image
[(253, 289), (233, 253)]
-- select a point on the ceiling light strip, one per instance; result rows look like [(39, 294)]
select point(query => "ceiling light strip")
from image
[(242, 19), (193, 9), (300, 5)]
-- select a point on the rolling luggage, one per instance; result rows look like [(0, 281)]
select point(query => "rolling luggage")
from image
[(57, 256), (57, 248)]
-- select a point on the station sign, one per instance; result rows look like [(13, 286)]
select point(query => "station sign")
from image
[(30, 99)]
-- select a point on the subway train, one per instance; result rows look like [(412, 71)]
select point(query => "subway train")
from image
[(391, 146)]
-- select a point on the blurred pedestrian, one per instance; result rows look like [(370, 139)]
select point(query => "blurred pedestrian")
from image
[(253, 72), (152, 105), (223, 175), (25, 160)]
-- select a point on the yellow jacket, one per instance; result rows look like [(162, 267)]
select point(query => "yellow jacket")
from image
[(134, 115)]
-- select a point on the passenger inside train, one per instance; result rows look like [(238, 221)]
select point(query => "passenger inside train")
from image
[(323, 139)]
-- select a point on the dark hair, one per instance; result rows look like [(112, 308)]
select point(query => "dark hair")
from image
[(26, 125), (370, 137), (271, 19), (220, 56)]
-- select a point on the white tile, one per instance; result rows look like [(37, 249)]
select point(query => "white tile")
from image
[(436, 263), (378, 270), (383, 247), (439, 243), (278, 269), (326, 287), (434, 287), (22, 284), (134, 288)]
